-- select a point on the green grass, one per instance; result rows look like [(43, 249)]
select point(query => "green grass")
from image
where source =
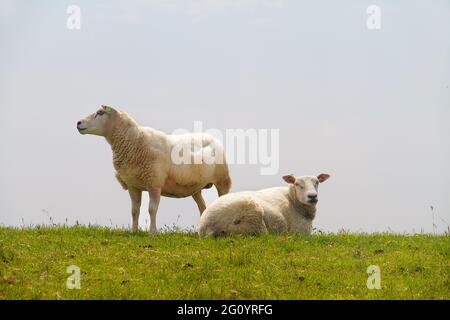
[(116, 264)]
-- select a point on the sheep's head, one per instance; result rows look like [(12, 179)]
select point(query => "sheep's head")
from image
[(306, 187), (98, 123)]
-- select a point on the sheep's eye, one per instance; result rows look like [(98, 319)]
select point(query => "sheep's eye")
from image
[(99, 113)]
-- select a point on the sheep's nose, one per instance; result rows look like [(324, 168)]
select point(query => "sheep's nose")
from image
[(78, 123), (312, 196)]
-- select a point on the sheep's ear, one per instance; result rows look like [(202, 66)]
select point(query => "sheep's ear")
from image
[(323, 177), (289, 178), (108, 109)]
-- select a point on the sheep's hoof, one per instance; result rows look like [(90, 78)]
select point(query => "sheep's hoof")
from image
[(153, 231)]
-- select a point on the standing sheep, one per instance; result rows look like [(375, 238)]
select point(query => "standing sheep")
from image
[(143, 158), (280, 209)]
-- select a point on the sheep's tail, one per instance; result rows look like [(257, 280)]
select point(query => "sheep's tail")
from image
[(227, 183), (224, 186)]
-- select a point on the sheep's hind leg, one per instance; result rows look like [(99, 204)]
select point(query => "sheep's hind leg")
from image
[(136, 197), (155, 196), (200, 201)]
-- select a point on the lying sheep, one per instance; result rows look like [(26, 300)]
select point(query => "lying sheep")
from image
[(142, 158), (274, 210)]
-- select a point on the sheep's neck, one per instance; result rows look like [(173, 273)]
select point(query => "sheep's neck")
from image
[(126, 146), (306, 211)]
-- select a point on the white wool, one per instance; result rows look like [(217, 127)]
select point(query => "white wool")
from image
[(275, 210), (143, 160)]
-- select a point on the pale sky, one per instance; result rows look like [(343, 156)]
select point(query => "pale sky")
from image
[(369, 107)]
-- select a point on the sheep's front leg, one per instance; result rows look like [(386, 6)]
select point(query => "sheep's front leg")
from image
[(200, 201), (155, 196), (136, 196)]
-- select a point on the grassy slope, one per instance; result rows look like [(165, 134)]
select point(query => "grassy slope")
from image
[(117, 264)]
